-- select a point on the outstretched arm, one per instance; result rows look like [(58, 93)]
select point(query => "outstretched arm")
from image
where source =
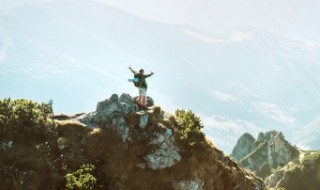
[(149, 75), (133, 71)]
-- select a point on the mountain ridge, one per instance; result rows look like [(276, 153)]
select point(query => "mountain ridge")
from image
[(120, 146)]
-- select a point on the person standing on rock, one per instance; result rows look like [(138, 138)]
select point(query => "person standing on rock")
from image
[(141, 83)]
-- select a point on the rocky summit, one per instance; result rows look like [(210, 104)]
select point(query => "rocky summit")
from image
[(267, 152), (115, 147), (243, 147), (279, 163)]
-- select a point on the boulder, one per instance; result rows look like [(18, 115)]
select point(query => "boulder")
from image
[(150, 101), (167, 155), (194, 184)]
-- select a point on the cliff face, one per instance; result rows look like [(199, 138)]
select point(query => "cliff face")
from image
[(268, 152), (130, 149), (244, 146), (279, 163)]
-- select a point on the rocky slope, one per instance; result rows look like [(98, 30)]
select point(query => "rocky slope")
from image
[(129, 149), (304, 174), (279, 163)]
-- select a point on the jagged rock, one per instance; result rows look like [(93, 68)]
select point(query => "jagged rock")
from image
[(143, 121), (114, 111), (243, 147), (166, 155), (150, 101), (268, 152), (264, 155), (280, 152), (111, 113), (274, 178), (195, 184), (114, 104), (137, 119)]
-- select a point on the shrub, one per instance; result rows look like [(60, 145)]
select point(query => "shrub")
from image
[(310, 158), (191, 126), (24, 116), (81, 179)]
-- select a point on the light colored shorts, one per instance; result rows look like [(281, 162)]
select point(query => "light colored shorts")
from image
[(142, 91)]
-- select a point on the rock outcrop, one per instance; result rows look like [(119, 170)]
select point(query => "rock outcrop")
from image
[(167, 155), (149, 100), (194, 184), (111, 114)]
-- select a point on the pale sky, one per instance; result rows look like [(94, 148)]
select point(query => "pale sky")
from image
[(295, 18)]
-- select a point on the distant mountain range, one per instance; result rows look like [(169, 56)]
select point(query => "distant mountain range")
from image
[(244, 80)]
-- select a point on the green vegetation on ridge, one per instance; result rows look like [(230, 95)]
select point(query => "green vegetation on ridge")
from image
[(81, 179), (304, 175), (191, 126), (22, 115)]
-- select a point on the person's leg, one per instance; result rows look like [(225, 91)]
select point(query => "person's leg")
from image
[(140, 96), (139, 99), (144, 95), (144, 100)]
